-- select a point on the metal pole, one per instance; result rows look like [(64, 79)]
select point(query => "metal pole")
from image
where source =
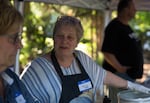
[(19, 4)]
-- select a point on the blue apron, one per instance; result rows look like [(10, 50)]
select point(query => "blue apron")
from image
[(16, 92)]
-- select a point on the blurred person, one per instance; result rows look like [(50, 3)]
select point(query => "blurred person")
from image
[(67, 75), (122, 49), (12, 90)]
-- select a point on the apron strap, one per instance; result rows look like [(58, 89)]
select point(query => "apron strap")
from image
[(56, 64)]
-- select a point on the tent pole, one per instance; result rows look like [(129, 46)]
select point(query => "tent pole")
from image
[(19, 4)]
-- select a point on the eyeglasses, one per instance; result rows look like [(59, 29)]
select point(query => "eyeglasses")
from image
[(14, 38)]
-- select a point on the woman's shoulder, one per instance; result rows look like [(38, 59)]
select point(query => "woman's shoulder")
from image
[(81, 54), (41, 59), (47, 56), (77, 52)]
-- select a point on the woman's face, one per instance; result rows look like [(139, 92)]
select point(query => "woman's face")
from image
[(9, 44), (65, 40)]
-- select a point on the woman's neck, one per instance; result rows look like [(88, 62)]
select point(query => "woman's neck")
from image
[(65, 61)]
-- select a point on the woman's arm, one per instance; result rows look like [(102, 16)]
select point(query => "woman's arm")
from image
[(114, 80)]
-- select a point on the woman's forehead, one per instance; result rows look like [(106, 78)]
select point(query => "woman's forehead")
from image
[(67, 28)]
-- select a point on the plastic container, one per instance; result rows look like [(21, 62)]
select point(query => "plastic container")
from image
[(129, 96)]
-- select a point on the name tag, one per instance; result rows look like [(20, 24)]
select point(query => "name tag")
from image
[(84, 85), (19, 98)]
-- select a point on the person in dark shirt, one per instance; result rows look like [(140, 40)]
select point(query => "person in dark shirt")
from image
[(122, 49)]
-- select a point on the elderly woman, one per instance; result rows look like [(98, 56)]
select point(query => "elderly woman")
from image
[(12, 90), (64, 73)]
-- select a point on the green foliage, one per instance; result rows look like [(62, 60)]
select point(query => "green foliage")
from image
[(38, 27), (39, 22), (35, 33), (141, 25)]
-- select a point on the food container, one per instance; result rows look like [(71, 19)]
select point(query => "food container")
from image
[(129, 96)]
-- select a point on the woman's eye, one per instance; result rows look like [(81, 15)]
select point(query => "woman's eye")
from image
[(70, 38)]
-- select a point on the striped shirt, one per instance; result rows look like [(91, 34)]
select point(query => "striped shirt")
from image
[(44, 83)]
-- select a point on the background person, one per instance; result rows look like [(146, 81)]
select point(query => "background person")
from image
[(65, 73), (12, 90), (121, 48)]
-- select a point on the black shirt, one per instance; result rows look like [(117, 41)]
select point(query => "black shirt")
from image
[(121, 41)]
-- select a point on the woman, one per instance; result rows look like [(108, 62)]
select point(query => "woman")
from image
[(65, 73), (12, 90)]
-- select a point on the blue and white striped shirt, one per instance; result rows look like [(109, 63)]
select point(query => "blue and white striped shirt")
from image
[(44, 83)]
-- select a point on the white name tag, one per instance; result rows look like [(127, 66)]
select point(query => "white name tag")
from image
[(20, 99), (84, 85)]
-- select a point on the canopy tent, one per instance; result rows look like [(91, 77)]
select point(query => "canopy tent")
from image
[(96, 4)]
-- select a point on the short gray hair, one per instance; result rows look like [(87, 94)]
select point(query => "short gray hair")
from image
[(69, 20)]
